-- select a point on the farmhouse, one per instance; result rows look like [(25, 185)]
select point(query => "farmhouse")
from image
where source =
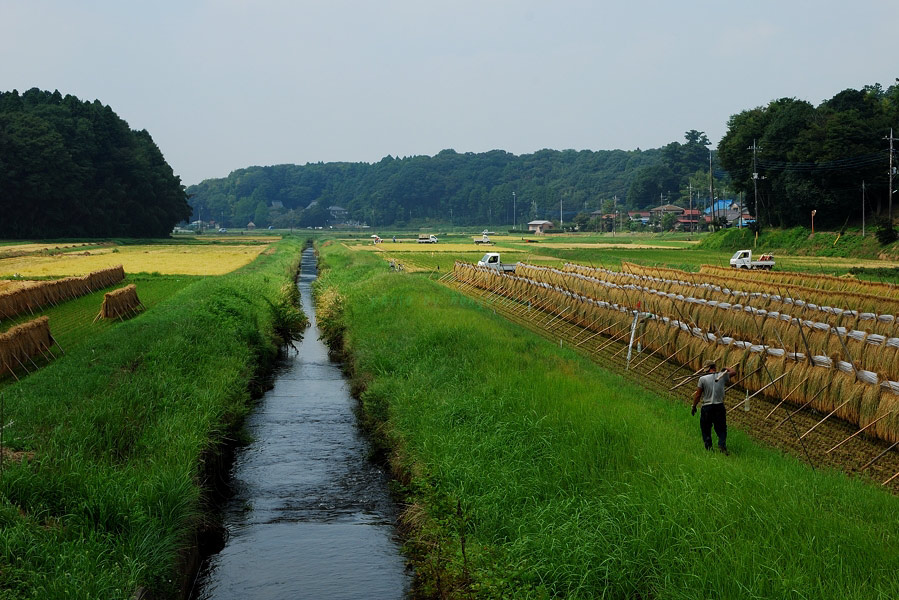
[(688, 220), (539, 227), (639, 215)]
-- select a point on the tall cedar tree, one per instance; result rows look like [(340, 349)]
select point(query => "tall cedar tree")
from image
[(70, 168)]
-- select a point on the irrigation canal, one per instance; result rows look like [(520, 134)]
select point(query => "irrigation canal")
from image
[(310, 516)]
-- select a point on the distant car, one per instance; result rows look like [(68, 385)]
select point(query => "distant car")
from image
[(223, 230)]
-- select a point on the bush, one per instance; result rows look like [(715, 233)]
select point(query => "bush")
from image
[(886, 231)]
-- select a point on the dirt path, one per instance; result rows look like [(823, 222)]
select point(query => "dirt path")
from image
[(776, 430)]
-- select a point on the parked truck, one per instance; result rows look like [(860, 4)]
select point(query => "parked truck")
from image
[(484, 239), (742, 259), (424, 238), (491, 261)]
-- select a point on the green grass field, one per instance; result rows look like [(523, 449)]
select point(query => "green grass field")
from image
[(119, 432), (562, 480), (72, 322)]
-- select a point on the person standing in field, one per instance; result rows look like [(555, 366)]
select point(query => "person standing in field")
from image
[(711, 389)]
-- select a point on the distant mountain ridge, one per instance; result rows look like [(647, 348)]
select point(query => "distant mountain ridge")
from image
[(450, 187)]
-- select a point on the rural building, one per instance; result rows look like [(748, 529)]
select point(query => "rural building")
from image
[(659, 211), (639, 215), (251, 225), (729, 209), (539, 226), (688, 220)]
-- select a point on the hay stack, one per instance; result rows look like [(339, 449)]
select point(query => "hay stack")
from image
[(22, 343), (46, 293), (121, 303)]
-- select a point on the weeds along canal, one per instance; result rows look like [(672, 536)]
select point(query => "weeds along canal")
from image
[(310, 515)]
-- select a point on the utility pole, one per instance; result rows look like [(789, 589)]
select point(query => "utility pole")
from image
[(620, 222), (755, 183), (863, 208), (615, 215), (692, 228), (514, 213), (890, 190), (712, 192), (560, 212)]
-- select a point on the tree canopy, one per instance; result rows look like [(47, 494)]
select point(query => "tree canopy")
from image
[(70, 168), (814, 158)]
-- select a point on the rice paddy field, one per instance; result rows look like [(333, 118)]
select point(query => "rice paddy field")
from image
[(531, 464), (663, 250), (187, 259), (535, 469)]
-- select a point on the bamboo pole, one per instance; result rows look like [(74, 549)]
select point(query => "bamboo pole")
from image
[(812, 399), (648, 356), (879, 456), (757, 392), (825, 418), (784, 399), (595, 334), (665, 360), (737, 382), (860, 430)]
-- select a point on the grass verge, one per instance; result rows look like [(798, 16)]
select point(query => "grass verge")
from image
[(531, 472), (120, 430)]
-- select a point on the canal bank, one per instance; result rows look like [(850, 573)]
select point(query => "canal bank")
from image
[(310, 515)]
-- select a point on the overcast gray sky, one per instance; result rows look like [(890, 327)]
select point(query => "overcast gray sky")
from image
[(227, 84)]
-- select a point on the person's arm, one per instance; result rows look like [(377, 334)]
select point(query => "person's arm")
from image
[(696, 395)]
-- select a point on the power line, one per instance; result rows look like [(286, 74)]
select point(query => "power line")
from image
[(830, 165)]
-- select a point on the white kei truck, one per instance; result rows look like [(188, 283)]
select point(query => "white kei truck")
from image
[(491, 261), (742, 259)]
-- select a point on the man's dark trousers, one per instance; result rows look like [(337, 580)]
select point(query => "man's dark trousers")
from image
[(713, 415)]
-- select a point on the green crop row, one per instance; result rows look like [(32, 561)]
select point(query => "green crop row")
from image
[(531, 472), (117, 435)]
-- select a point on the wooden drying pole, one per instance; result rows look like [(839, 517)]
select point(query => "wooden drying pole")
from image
[(807, 403), (879, 456), (743, 378), (648, 356), (830, 414), (764, 361), (860, 430), (784, 399), (758, 391), (664, 360)]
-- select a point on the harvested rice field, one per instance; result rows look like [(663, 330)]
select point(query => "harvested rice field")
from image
[(7, 248), (187, 259), (800, 343), (613, 244)]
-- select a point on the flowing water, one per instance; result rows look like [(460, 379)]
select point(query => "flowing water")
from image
[(310, 516)]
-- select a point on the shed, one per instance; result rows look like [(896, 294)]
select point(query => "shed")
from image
[(539, 226)]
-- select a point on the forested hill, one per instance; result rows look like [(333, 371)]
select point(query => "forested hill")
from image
[(462, 189), (70, 168), (827, 158)]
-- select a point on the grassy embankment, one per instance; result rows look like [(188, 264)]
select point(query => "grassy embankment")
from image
[(560, 479), (120, 431)]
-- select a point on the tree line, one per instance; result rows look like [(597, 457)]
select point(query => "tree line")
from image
[(71, 168), (826, 158), (806, 158), (493, 188)]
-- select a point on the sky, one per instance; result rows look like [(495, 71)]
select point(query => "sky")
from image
[(226, 84)]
